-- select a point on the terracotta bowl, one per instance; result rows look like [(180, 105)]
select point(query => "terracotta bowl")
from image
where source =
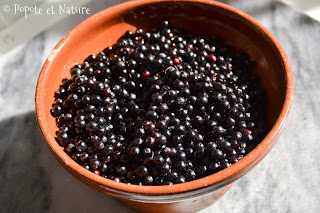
[(203, 17)]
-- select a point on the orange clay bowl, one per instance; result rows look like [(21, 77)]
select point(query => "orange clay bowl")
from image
[(202, 17)]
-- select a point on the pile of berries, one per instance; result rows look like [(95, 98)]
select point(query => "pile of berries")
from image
[(160, 108)]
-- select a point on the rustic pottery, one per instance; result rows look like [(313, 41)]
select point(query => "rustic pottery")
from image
[(204, 17)]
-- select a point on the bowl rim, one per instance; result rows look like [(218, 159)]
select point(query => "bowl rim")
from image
[(213, 179)]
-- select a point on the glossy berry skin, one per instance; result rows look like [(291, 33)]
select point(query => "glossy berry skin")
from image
[(146, 74), (160, 108)]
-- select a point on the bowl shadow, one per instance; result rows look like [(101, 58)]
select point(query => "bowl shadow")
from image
[(32, 180)]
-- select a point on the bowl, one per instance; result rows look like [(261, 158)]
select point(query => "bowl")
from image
[(203, 17)]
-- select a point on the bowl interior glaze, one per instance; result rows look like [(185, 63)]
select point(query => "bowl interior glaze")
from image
[(202, 17)]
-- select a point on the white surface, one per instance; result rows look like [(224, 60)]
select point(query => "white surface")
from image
[(310, 7), (18, 26)]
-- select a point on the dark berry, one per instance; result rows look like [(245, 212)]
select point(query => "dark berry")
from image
[(160, 108), (146, 74)]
